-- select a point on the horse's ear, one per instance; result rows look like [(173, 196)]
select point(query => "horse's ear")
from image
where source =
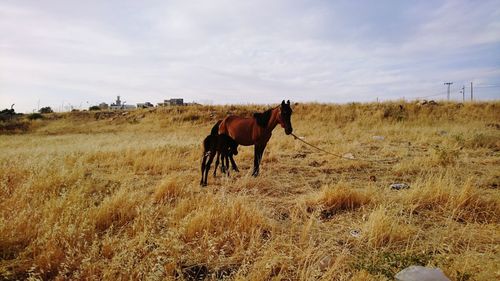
[(283, 102), (288, 102)]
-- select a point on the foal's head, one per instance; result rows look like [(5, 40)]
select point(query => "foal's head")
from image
[(227, 144), (285, 116), (233, 146)]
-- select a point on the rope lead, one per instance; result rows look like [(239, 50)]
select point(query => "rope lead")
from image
[(343, 157)]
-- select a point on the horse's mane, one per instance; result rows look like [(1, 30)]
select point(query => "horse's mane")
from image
[(263, 118)]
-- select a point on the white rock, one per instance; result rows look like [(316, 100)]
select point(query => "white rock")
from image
[(421, 273), (380, 138), (398, 186), (355, 233), (348, 156)]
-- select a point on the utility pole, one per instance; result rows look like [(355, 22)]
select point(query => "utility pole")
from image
[(471, 91), (463, 93), (448, 83)]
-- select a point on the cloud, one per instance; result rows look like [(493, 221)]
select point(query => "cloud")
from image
[(244, 51)]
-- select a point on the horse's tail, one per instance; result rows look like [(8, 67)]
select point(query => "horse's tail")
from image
[(215, 128), (206, 144)]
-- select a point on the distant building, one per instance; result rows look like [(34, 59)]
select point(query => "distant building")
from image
[(103, 105), (118, 104), (177, 101), (145, 105)]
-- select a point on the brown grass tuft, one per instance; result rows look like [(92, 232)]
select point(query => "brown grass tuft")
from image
[(338, 198), (385, 228), (116, 210), (235, 220), (460, 201), (169, 190)]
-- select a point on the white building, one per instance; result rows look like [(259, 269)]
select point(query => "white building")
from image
[(118, 104)]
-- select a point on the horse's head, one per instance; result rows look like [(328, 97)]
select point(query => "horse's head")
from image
[(285, 116)]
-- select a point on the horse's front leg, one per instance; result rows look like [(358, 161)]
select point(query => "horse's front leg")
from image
[(258, 151)]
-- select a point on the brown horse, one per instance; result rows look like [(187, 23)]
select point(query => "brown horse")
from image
[(257, 130)]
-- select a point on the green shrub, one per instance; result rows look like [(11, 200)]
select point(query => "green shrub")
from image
[(46, 109)]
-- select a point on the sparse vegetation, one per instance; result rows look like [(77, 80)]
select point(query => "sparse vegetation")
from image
[(45, 110), (35, 116), (14, 126), (115, 195)]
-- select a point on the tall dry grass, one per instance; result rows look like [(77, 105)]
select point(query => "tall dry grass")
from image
[(113, 196)]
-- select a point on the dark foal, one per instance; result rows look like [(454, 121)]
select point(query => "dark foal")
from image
[(215, 132), (221, 146)]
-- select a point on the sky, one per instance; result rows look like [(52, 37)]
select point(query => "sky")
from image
[(73, 54)]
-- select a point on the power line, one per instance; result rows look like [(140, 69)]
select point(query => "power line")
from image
[(433, 95), (461, 90), (486, 86)]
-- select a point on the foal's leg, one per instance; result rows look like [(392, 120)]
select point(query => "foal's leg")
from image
[(222, 153), (216, 163), (235, 168), (225, 162), (223, 166), (203, 167), (210, 159)]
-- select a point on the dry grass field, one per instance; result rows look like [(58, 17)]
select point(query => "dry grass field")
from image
[(116, 196)]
